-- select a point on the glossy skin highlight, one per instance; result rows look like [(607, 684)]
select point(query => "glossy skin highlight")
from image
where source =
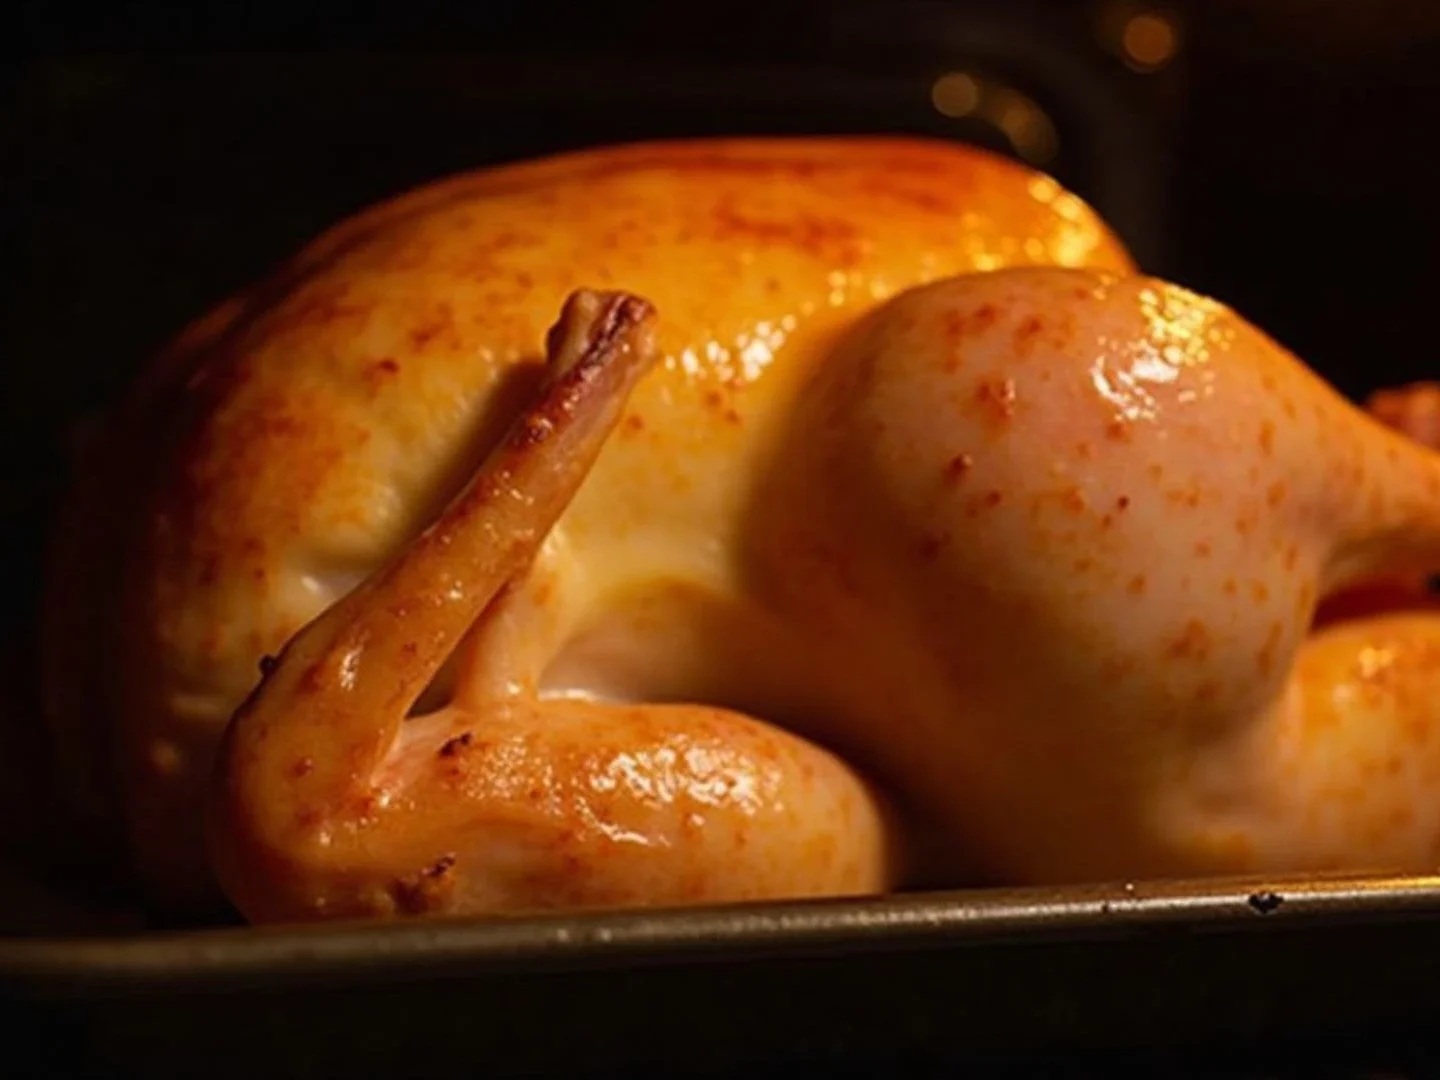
[(299, 437)]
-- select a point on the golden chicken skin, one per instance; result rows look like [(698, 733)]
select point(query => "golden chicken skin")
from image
[(734, 519)]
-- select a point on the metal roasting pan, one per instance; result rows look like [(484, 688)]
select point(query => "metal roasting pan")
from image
[(1188, 968)]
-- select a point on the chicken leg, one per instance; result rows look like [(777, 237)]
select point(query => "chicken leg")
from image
[(330, 802)]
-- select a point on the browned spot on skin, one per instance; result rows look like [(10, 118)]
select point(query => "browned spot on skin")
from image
[(997, 398), (1265, 658), (835, 237), (634, 423), (376, 375), (989, 501), (931, 546), (453, 746), (1192, 641), (1260, 591), (1267, 438), (1137, 585), (542, 591), (1083, 563), (1393, 765), (421, 336), (1084, 451), (1245, 524), (532, 432), (1027, 332), (1275, 494), (731, 416), (1155, 471), (1107, 521), (313, 680), (1230, 588), (363, 808), (1119, 430), (713, 399), (1074, 500), (1202, 549), (1186, 496), (955, 325), (957, 467), (1123, 502), (427, 890), (303, 767), (959, 324), (1292, 556)]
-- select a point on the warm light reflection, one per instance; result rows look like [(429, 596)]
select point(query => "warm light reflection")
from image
[(1072, 246), (751, 352), (1025, 124), (1149, 41), (1178, 322), (1126, 394), (1374, 661), (955, 94)]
